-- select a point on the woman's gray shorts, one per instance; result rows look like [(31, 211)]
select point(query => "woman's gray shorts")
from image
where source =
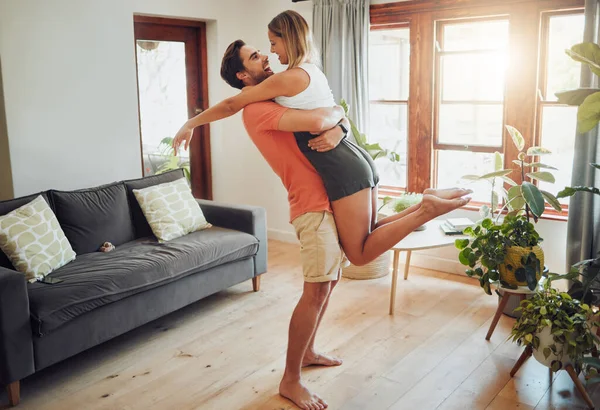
[(345, 170)]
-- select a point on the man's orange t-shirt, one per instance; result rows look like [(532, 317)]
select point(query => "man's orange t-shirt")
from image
[(306, 192)]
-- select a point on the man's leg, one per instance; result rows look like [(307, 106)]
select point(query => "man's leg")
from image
[(302, 327), (311, 357)]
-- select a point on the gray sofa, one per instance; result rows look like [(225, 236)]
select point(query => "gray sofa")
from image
[(104, 295)]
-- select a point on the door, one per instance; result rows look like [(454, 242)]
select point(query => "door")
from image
[(172, 87)]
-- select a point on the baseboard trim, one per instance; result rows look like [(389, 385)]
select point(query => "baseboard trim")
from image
[(282, 236)]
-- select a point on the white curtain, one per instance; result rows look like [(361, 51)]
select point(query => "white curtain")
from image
[(341, 29)]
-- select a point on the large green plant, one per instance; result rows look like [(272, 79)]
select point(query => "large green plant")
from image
[(588, 99), (487, 250), (373, 149), (526, 196), (571, 324)]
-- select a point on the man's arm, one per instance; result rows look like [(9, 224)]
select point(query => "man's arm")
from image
[(315, 121)]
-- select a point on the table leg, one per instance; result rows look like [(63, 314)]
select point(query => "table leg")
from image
[(569, 368), (524, 356), (499, 311), (394, 281), (407, 264)]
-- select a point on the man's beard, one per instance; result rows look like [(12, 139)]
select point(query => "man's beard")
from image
[(260, 77)]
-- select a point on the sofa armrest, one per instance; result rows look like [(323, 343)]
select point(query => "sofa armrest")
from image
[(245, 218), (16, 345)]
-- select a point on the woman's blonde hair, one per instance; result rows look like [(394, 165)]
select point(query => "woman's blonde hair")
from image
[(297, 38)]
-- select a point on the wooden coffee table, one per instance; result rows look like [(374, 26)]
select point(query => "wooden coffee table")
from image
[(431, 237)]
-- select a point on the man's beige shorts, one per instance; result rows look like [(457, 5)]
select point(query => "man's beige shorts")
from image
[(320, 250)]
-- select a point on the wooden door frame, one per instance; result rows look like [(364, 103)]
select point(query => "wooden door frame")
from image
[(200, 164)]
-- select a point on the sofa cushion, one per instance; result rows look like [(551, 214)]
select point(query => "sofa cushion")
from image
[(142, 228), (33, 241), (91, 217), (11, 205), (96, 279), (171, 210)]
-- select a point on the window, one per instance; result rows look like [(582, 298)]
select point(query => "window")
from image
[(472, 70), (471, 59), (388, 93), (557, 122)]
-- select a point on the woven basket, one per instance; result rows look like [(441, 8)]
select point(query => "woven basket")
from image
[(372, 270), (512, 262)]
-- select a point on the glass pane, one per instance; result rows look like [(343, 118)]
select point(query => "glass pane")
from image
[(563, 73), (558, 135), (162, 98), (482, 35), (453, 165), (389, 61), (470, 124), (388, 127), (474, 77)]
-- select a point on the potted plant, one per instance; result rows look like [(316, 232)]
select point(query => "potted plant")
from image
[(508, 251), (559, 329)]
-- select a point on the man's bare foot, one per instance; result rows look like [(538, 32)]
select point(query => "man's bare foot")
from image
[(319, 359), (434, 206), (301, 396), (448, 193)]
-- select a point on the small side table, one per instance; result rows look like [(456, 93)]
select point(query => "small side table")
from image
[(521, 292), (431, 237)]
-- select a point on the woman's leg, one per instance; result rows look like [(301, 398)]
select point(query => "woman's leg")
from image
[(353, 217)]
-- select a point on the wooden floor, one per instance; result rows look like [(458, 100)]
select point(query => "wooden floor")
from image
[(227, 352)]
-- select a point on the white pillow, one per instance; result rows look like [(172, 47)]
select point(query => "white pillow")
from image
[(34, 241), (171, 210)]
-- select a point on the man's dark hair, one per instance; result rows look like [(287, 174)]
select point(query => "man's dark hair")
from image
[(232, 64)]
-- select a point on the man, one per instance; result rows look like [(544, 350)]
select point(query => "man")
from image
[(270, 127)]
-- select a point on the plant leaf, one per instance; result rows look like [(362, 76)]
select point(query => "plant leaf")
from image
[(587, 53), (461, 243), (494, 201), (509, 181), (570, 191), (517, 138), (588, 113), (518, 162), (470, 177), (531, 151), (597, 166), (575, 97), (498, 161), (542, 176), (500, 173), (533, 197), (540, 165), (515, 198), (551, 199)]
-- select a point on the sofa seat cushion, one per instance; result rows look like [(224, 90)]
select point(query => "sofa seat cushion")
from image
[(96, 279)]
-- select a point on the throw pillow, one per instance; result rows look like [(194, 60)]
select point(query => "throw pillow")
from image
[(171, 210), (33, 240)]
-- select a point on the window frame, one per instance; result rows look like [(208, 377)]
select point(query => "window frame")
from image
[(389, 189), (521, 101)]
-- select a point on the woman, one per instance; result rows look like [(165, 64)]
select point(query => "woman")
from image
[(348, 172)]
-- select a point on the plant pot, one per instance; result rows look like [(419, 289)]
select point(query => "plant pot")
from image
[(376, 269), (545, 341), (512, 262)]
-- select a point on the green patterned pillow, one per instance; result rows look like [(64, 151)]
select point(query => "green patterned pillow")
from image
[(33, 240), (171, 210)]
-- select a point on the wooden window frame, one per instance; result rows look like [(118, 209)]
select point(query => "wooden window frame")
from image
[(387, 189), (521, 88)]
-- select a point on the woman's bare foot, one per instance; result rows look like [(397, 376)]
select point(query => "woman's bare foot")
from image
[(301, 396), (320, 359), (434, 206), (448, 193)]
